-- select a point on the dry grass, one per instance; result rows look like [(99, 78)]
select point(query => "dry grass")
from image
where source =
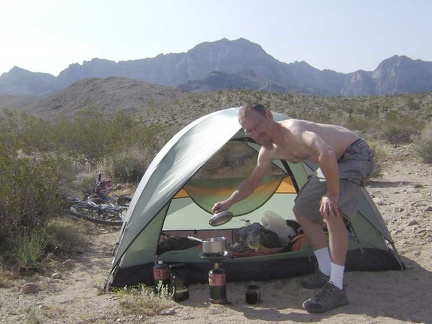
[(6, 278), (143, 301), (67, 235)]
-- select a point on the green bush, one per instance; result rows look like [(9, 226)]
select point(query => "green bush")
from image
[(399, 128), (31, 190), (41, 162), (128, 165), (89, 134), (423, 146), (28, 250), (27, 132), (399, 134), (380, 156), (357, 124)]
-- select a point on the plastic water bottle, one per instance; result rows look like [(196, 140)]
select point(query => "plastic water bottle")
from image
[(178, 284)]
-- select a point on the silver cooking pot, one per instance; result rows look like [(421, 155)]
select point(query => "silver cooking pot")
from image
[(214, 245)]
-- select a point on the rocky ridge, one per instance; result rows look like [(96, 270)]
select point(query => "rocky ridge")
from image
[(195, 70)]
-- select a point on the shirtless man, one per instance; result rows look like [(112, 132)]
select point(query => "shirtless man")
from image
[(330, 194)]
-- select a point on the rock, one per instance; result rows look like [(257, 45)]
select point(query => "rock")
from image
[(398, 209), (412, 223), (377, 201), (427, 209), (29, 288), (57, 275), (167, 312), (69, 264), (409, 266)]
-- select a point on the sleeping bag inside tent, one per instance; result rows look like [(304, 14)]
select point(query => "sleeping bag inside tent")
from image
[(203, 164)]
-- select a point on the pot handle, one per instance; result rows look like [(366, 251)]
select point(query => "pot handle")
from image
[(195, 239)]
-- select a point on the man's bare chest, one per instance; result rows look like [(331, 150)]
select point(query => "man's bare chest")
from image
[(292, 153)]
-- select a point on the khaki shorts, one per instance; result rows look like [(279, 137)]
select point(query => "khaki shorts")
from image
[(355, 165)]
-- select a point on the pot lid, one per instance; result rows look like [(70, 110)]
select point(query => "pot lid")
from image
[(221, 218)]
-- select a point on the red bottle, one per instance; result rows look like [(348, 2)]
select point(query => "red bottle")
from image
[(161, 277), (217, 283)]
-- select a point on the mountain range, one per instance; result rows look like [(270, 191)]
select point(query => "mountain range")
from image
[(225, 64)]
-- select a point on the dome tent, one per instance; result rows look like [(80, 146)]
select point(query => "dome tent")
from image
[(170, 200)]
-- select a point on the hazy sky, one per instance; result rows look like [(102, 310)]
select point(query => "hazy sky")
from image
[(341, 35)]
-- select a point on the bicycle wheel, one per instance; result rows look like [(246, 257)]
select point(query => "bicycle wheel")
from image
[(106, 216)]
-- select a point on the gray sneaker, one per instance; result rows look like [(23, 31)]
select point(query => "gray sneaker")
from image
[(328, 298), (316, 280)]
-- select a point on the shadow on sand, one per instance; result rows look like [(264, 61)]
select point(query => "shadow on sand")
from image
[(374, 296), (390, 184)]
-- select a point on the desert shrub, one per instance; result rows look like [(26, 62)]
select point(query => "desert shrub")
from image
[(64, 235), (399, 128), (381, 156), (399, 134), (357, 124), (28, 250), (89, 134), (423, 146), (99, 136), (127, 165), (31, 190), (31, 134)]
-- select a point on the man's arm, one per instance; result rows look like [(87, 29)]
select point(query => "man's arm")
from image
[(327, 161), (247, 187)]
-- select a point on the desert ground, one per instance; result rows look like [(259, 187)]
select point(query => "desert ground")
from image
[(403, 194)]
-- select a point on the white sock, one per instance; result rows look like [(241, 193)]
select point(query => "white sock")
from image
[(323, 257), (337, 275)]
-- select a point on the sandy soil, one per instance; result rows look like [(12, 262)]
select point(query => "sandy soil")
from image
[(403, 194)]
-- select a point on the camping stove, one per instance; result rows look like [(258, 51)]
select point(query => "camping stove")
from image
[(217, 279)]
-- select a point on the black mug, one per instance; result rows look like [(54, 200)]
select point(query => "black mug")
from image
[(253, 295)]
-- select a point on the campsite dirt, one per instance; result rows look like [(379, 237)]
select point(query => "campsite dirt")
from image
[(403, 194)]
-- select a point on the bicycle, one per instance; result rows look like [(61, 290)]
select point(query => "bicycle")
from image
[(100, 208)]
